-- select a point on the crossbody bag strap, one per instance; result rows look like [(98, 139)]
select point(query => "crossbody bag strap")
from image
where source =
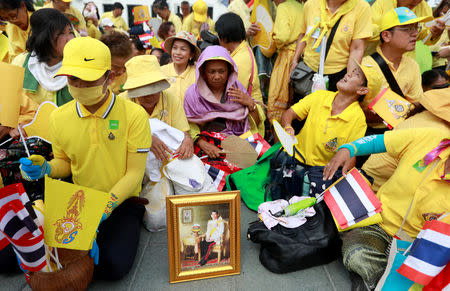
[(331, 36), (250, 82), (387, 73)]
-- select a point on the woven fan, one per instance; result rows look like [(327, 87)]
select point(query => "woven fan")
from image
[(239, 151)]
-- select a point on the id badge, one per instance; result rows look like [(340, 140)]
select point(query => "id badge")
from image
[(419, 166), (315, 36)]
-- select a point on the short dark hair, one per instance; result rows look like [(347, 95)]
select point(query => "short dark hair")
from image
[(216, 211), (137, 43), (184, 2), (118, 5), (164, 29), (431, 76), (14, 4), (118, 43), (230, 27), (45, 24), (165, 59), (163, 5)]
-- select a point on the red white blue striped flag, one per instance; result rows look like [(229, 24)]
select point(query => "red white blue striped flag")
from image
[(258, 143), (218, 176), (429, 254), (18, 227), (351, 199)]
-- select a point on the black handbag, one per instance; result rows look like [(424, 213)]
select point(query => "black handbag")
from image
[(284, 250), (302, 75)]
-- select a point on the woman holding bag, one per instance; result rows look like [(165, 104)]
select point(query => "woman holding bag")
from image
[(352, 19)]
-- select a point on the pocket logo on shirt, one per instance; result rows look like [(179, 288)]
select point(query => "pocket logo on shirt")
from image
[(114, 124), (331, 145)]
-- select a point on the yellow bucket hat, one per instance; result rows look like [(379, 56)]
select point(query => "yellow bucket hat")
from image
[(400, 16), (85, 58), (437, 102), (200, 11), (374, 80), (144, 77)]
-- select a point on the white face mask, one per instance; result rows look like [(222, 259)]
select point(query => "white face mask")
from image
[(89, 95)]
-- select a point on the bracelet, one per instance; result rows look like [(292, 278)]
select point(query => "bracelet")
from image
[(286, 127)]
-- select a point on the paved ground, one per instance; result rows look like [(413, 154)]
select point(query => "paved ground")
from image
[(151, 271)]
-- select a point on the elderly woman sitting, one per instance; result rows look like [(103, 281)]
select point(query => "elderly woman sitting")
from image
[(218, 102)]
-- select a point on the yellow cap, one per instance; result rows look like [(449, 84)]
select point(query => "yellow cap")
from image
[(374, 80), (200, 11), (85, 58), (144, 76), (437, 102), (400, 16)]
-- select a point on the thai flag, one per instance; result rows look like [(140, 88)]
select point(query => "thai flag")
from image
[(18, 227), (429, 254), (258, 143), (351, 199), (218, 176), (145, 39)]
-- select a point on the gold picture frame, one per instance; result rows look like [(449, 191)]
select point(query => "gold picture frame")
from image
[(210, 246)]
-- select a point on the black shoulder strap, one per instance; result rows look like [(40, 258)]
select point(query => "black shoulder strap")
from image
[(331, 36), (387, 73)]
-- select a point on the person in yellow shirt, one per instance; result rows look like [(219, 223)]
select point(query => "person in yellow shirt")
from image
[(16, 14), (116, 17), (41, 62), (198, 20), (240, 8), (167, 15), (185, 10), (181, 72), (145, 85), (166, 30), (436, 115), (352, 31), (72, 13), (286, 30), (90, 13), (416, 192), (400, 28), (231, 31), (102, 141), (121, 51)]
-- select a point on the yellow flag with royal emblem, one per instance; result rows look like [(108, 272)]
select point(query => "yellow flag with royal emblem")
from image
[(11, 82), (72, 214), (140, 14)]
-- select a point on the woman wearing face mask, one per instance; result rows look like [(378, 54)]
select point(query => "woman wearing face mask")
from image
[(50, 31), (17, 14), (181, 72)]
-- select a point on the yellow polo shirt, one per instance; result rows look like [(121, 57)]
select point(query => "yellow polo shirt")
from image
[(119, 22), (75, 12), (175, 20), (381, 166), (96, 145), (93, 30), (169, 109), (17, 38), (322, 133), (243, 59), (286, 28), (407, 75), (356, 24), (192, 26), (178, 83), (430, 192)]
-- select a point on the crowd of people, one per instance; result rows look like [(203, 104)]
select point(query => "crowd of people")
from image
[(204, 79)]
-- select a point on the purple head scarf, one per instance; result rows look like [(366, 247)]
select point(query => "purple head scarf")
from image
[(201, 106)]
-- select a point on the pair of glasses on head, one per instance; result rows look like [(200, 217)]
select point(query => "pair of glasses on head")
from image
[(11, 17), (409, 28)]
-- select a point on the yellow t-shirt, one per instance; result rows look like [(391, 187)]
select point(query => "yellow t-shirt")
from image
[(175, 20), (429, 191), (241, 56), (178, 83), (96, 145), (407, 75), (443, 41), (169, 110), (322, 133), (93, 30), (17, 38), (75, 12), (286, 28), (355, 24), (192, 26), (381, 166), (119, 22)]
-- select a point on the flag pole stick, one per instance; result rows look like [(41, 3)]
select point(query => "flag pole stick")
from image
[(23, 141)]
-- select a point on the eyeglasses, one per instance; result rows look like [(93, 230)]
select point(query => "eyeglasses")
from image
[(10, 18), (409, 29)]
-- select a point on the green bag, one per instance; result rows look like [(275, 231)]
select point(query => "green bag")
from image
[(253, 181)]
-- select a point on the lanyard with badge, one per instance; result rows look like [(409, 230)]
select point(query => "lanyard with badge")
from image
[(421, 164), (164, 111)]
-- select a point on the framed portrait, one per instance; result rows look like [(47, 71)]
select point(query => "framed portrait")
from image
[(204, 235)]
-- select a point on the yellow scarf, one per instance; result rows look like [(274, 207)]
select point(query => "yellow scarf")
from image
[(326, 24)]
